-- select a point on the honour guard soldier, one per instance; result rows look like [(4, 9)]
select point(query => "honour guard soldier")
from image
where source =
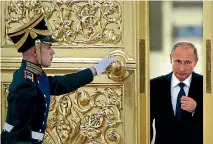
[(30, 89)]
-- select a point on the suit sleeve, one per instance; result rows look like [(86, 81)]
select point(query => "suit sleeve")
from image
[(67, 83), (198, 114), (197, 119), (22, 101)]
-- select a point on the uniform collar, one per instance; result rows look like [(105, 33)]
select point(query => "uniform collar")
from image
[(34, 68)]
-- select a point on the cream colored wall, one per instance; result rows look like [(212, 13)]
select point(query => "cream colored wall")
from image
[(159, 61)]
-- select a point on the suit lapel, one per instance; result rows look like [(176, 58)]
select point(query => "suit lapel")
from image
[(168, 90), (192, 86), (190, 94)]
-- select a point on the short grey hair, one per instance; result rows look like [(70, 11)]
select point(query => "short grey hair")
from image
[(185, 43)]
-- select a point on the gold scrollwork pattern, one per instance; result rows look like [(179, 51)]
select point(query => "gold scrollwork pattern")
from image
[(4, 103), (5, 94), (72, 22), (90, 116)]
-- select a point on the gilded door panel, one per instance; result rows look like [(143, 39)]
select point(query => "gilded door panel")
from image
[(109, 110), (208, 74)]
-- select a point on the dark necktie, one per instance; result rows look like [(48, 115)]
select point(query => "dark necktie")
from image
[(178, 104)]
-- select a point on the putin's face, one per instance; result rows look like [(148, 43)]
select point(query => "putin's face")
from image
[(183, 61)]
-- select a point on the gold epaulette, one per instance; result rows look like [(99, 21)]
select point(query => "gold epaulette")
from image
[(35, 69)]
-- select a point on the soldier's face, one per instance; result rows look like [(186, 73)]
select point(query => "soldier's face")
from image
[(183, 61), (47, 53)]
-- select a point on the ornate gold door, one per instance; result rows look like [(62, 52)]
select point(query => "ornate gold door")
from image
[(114, 107), (208, 75)]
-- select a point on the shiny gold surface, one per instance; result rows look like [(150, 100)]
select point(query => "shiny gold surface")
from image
[(208, 95), (88, 115), (4, 104), (73, 22), (110, 109), (83, 117), (143, 64), (208, 66), (118, 71)]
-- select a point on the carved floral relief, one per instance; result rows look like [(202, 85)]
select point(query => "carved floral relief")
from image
[(72, 21), (86, 117)]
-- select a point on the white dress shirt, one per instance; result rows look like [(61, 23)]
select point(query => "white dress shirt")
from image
[(175, 89)]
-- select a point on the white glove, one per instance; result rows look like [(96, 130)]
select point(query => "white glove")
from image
[(103, 64)]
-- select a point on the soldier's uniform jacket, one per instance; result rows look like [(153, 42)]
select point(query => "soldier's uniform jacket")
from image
[(29, 100)]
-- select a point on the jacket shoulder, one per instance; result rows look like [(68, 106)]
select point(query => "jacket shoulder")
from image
[(198, 76), (23, 75), (159, 81), (21, 82), (160, 78)]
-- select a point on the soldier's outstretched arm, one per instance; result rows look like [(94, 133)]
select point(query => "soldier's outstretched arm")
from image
[(67, 83)]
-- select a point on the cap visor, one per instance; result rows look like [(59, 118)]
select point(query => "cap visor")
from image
[(49, 40)]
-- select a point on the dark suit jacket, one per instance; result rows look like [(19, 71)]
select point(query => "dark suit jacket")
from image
[(168, 130)]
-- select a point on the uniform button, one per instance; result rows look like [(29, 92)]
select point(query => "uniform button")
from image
[(44, 113), (46, 105), (38, 81), (45, 96), (40, 130), (43, 123)]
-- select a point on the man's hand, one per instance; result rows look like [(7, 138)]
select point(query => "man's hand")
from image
[(103, 64), (188, 104)]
